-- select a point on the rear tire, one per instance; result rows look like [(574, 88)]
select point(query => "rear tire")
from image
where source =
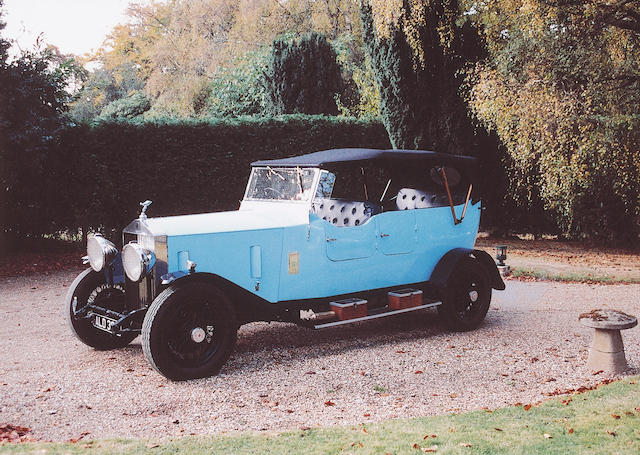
[(93, 285), (467, 296), (189, 331)]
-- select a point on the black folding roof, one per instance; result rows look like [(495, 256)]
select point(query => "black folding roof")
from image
[(327, 157)]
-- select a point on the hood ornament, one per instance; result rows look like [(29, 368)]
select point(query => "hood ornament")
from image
[(145, 205)]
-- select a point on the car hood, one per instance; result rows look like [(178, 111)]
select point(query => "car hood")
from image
[(267, 216)]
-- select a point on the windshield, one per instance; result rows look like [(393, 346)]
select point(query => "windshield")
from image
[(281, 184)]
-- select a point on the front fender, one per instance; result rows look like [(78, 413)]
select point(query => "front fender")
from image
[(448, 262)]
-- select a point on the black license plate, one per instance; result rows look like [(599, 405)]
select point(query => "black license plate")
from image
[(103, 323)]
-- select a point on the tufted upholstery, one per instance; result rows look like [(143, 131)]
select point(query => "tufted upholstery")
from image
[(409, 198), (344, 213)]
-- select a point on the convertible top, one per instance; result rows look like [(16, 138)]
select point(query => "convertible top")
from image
[(328, 157)]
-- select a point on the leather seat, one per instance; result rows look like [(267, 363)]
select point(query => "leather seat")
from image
[(343, 213)]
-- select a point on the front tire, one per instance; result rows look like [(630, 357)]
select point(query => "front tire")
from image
[(91, 285), (467, 296), (189, 331)]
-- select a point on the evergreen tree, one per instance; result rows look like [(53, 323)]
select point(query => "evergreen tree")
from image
[(302, 76), (419, 67)]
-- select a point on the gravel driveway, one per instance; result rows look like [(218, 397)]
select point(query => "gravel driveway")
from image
[(285, 377)]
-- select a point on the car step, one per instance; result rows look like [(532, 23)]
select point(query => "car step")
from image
[(377, 313)]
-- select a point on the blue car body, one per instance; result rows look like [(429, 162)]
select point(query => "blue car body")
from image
[(280, 250)]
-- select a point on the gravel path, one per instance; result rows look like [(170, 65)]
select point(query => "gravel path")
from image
[(285, 377)]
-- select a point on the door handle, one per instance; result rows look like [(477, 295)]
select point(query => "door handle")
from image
[(384, 235), (329, 239)]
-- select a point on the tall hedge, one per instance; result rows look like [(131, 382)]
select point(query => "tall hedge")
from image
[(97, 175)]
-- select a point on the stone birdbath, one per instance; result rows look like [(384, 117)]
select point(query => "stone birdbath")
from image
[(607, 351)]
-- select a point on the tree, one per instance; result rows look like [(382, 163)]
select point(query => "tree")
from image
[(102, 87), (561, 87), (419, 55), (238, 89), (132, 106), (35, 90), (302, 76)]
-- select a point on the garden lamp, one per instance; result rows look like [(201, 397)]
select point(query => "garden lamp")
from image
[(501, 254)]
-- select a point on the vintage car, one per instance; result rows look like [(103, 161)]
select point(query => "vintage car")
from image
[(323, 239)]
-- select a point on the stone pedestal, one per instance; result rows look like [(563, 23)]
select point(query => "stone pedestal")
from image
[(607, 350)]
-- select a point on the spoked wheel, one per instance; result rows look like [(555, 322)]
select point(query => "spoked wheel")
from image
[(467, 296), (189, 331), (91, 287)]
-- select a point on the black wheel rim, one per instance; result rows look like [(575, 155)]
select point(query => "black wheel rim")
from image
[(179, 335), (468, 298)]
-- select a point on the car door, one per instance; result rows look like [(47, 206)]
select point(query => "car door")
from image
[(397, 232), (345, 243)]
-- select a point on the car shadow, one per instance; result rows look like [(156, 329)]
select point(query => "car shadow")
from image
[(260, 345)]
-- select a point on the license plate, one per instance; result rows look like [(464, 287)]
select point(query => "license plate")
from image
[(103, 323)]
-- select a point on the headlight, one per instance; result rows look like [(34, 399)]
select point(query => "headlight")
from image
[(101, 252), (137, 261)]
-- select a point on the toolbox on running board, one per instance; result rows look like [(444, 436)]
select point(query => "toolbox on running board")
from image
[(349, 308), (404, 298)]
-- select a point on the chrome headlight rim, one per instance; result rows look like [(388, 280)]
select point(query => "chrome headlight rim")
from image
[(137, 261), (101, 252)]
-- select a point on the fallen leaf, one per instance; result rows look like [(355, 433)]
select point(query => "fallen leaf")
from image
[(310, 372), (430, 449), (597, 372), (498, 429), (151, 445), (400, 351), (615, 416), (366, 415), (452, 395), (465, 444), (416, 446), (548, 436), (570, 430), (82, 435), (612, 433), (527, 407), (419, 372), (329, 403), (534, 360)]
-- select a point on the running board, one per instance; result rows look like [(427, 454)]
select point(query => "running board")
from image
[(378, 315)]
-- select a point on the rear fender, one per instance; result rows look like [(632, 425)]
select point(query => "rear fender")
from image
[(449, 261)]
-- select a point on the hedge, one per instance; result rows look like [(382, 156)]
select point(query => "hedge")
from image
[(96, 175)]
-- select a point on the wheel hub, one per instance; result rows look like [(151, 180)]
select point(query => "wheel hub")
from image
[(198, 334), (473, 295)]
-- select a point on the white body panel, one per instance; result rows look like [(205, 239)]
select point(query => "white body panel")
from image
[(252, 215)]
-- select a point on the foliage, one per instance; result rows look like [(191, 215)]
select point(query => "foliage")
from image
[(238, 89), (32, 103), (594, 422), (102, 171), (562, 90), (178, 47), (134, 105), (102, 87), (302, 76), (418, 67)]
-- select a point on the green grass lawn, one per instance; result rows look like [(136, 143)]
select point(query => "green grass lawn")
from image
[(601, 421), (578, 277)]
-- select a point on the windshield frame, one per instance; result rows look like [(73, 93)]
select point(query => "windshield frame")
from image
[(287, 169)]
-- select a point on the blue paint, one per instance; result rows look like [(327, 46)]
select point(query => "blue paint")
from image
[(360, 257)]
